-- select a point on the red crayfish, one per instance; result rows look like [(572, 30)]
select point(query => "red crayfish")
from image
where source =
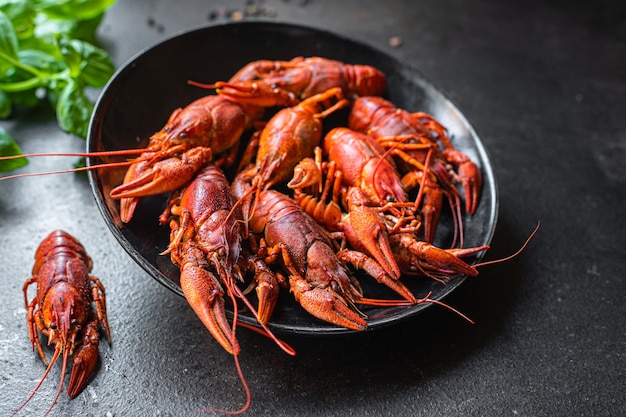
[(354, 204), (380, 219), (206, 244), (68, 308), (288, 82), (423, 146)]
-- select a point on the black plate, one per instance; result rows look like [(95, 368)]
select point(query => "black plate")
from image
[(141, 96)]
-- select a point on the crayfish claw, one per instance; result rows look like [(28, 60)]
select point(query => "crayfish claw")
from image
[(267, 289), (469, 176), (305, 174), (471, 181), (431, 259), (85, 360), (361, 261), (441, 260), (205, 296), (366, 230), (164, 176), (127, 208), (325, 305)]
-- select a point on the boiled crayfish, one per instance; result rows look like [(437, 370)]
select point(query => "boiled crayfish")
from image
[(209, 126), (68, 308), (425, 150), (380, 220), (316, 277), (301, 211), (371, 217), (206, 244), (299, 79)]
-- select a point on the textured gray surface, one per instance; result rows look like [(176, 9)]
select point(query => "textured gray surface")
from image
[(543, 84)]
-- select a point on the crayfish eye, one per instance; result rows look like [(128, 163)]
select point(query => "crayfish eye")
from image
[(334, 285), (182, 135), (53, 326), (390, 199)]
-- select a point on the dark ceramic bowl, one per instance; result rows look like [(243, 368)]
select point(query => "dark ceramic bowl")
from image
[(141, 96)]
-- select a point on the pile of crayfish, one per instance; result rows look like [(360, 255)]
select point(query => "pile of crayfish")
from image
[(263, 203), (285, 201), (305, 205)]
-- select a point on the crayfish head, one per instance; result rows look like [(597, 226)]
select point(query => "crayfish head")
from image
[(381, 182), (64, 314)]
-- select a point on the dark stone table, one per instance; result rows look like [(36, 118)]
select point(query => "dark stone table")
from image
[(543, 83)]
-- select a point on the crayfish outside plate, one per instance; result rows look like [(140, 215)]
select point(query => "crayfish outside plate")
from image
[(140, 97)]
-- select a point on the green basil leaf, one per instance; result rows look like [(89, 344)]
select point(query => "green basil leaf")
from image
[(74, 109), (46, 27), (85, 29), (87, 62), (22, 85), (5, 105), (41, 60), (98, 70), (22, 16), (97, 67), (8, 43), (42, 42), (8, 147), (72, 28), (71, 51), (26, 98), (73, 9)]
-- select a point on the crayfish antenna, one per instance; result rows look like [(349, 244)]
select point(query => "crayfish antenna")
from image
[(56, 397), (70, 170), (74, 154), (121, 152), (265, 331), (427, 299), (405, 303), (246, 406), (508, 258), (202, 85), (230, 286), (284, 346), (420, 193), (43, 378)]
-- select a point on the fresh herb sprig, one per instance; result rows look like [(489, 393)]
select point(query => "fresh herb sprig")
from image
[(48, 53)]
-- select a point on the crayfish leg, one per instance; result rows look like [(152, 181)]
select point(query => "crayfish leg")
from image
[(85, 360)]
